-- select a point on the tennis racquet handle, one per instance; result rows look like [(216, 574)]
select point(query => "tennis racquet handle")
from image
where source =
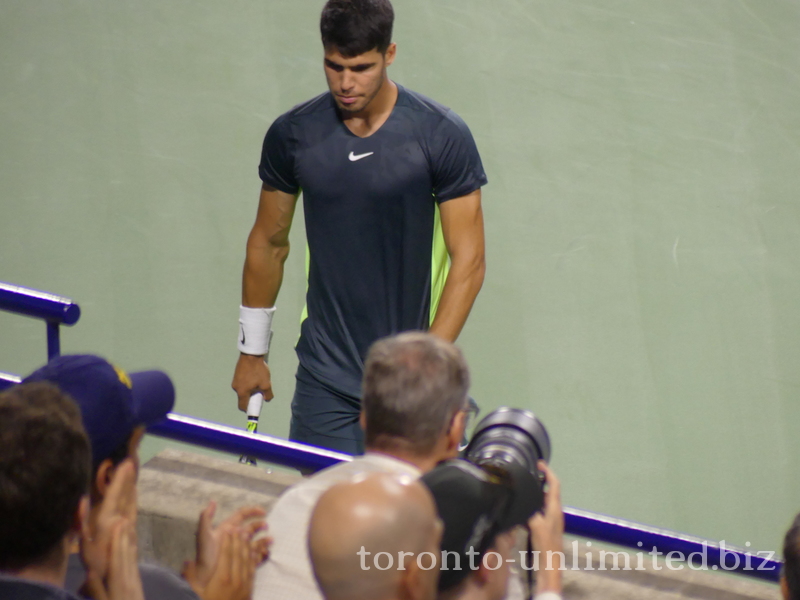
[(254, 406), (253, 413)]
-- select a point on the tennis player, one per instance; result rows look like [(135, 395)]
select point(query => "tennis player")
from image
[(391, 184)]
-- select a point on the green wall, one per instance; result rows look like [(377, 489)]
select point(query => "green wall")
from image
[(642, 219)]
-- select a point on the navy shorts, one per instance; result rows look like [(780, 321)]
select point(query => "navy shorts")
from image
[(324, 417)]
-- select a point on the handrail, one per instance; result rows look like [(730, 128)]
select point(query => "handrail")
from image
[(53, 309), (647, 540), (640, 538), (643, 539), (56, 310), (7, 380), (40, 305), (240, 442)]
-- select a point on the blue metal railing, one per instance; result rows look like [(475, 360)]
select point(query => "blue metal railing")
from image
[(641, 538), (647, 540), (628, 534), (240, 442), (7, 380), (54, 310)]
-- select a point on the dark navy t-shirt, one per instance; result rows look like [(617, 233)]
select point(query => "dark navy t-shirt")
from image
[(369, 207)]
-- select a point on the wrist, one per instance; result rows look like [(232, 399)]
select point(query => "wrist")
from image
[(548, 581), (255, 331)]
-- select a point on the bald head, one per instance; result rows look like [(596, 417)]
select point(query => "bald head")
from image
[(355, 520)]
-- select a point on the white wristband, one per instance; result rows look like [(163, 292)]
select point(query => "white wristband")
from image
[(255, 330)]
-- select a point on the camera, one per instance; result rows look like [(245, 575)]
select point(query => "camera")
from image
[(507, 444), (493, 486)]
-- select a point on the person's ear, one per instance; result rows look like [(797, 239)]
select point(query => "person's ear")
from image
[(415, 583), (80, 523), (81, 518), (102, 478), (784, 588), (390, 54), (456, 433), (409, 581)]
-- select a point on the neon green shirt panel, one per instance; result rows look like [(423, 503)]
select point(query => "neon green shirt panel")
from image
[(440, 267)]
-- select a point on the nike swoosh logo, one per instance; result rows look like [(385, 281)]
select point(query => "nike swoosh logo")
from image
[(354, 157), (241, 330)]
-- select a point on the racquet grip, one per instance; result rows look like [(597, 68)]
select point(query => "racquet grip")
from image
[(253, 412), (254, 406)]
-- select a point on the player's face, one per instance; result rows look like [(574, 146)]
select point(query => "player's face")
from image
[(354, 82)]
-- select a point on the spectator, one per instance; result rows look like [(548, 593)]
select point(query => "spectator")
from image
[(414, 413), (477, 546), (361, 530), (790, 576), (116, 408), (45, 465)]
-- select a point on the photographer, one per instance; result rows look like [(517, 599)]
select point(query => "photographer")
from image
[(414, 413), (502, 481)]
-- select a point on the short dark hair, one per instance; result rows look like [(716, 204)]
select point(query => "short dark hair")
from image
[(791, 559), (414, 384), (354, 27), (45, 462)]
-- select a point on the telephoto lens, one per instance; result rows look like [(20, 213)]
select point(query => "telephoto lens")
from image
[(508, 443)]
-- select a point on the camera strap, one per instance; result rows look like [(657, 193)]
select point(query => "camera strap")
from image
[(529, 549)]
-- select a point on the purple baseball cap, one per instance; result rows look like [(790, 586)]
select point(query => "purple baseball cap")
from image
[(112, 402)]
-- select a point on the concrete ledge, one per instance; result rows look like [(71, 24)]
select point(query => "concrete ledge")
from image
[(651, 583), (175, 486)]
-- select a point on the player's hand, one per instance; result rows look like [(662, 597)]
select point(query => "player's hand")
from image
[(119, 503), (248, 520), (547, 532), (251, 375)]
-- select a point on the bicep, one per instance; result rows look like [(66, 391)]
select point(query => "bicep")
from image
[(274, 217), (462, 226)]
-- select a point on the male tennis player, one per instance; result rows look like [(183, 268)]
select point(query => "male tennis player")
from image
[(383, 171)]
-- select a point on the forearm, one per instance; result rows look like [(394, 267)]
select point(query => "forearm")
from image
[(461, 287), (263, 272)]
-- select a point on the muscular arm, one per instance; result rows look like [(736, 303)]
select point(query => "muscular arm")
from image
[(462, 226), (267, 249)]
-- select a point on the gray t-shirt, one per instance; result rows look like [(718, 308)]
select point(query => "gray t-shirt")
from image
[(158, 583)]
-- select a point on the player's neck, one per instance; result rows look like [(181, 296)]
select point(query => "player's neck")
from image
[(366, 122)]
